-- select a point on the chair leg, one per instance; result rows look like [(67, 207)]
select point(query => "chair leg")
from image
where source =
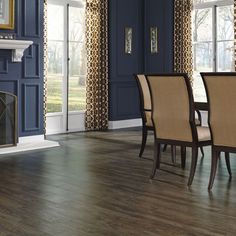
[(183, 156), (164, 148), (156, 159), (202, 151), (193, 165), (227, 160), (144, 140), (214, 161), (173, 154)]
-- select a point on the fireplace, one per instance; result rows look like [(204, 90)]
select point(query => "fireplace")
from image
[(8, 120)]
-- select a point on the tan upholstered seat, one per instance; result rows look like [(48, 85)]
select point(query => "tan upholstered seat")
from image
[(221, 96), (173, 117), (149, 118), (197, 122), (203, 133)]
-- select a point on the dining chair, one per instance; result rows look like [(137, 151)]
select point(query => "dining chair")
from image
[(221, 96), (173, 118), (146, 109)]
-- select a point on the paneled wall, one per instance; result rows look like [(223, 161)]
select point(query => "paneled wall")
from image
[(26, 79), (140, 15)]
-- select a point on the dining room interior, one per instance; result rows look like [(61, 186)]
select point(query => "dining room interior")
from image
[(117, 117)]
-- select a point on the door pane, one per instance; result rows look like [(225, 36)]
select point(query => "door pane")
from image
[(54, 93), (55, 22), (55, 58), (77, 69)]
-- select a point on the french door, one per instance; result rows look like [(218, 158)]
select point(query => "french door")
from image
[(66, 87)]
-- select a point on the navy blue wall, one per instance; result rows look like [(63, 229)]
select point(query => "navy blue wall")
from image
[(26, 79), (140, 15)]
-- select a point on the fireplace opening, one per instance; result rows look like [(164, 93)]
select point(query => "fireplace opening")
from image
[(8, 120)]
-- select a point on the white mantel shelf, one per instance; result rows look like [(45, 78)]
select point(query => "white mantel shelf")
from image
[(17, 46)]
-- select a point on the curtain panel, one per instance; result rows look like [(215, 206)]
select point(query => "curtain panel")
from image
[(235, 35), (97, 65), (45, 61), (183, 58)]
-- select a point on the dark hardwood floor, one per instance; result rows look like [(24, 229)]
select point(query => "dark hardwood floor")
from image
[(95, 184)]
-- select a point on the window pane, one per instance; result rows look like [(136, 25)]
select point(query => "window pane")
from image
[(225, 23), (204, 1), (55, 19), (202, 25), (198, 88), (54, 93), (225, 56), (202, 62), (203, 57)]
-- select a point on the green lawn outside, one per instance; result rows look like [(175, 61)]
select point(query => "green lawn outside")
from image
[(77, 94)]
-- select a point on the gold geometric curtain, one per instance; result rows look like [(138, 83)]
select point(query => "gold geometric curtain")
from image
[(45, 61), (97, 65), (235, 35), (183, 59)]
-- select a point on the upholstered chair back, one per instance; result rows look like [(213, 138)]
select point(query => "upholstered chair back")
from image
[(145, 98), (221, 95), (171, 98), (145, 91)]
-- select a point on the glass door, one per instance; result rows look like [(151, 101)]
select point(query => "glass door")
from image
[(66, 88)]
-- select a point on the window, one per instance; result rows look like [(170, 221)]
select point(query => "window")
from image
[(213, 40)]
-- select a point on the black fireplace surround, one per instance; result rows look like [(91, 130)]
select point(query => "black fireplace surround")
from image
[(8, 120)]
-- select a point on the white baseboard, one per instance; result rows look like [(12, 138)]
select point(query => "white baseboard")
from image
[(120, 124), (28, 144), (34, 138)]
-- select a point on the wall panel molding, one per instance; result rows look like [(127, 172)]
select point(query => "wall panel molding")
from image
[(11, 86), (3, 66), (140, 15), (127, 64), (31, 62), (31, 25), (31, 105)]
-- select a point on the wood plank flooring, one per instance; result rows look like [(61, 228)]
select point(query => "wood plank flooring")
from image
[(95, 184)]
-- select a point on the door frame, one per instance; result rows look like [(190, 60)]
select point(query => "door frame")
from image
[(65, 121)]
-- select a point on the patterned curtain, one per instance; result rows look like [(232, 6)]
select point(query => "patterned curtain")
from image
[(97, 65), (235, 35), (45, 61), (183, 59)]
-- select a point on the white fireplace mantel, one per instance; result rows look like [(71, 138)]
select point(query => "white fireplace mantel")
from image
[(17, 46)]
